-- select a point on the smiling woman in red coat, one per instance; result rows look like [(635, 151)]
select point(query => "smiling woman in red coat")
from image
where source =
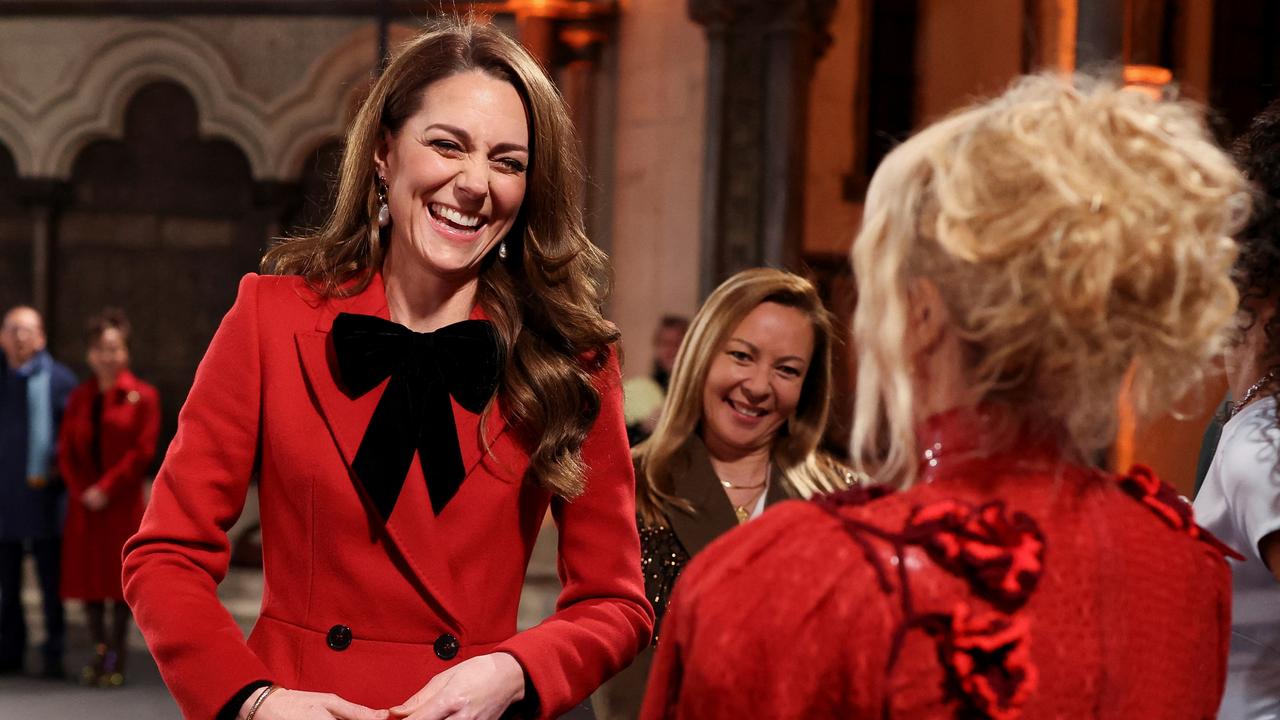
[(1017, 262), (107, 441), (426, 376)]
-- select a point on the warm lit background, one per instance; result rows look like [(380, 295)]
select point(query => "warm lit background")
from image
[(150, 150)]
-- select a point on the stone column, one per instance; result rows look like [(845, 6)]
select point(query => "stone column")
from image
[(761, 58), (44, 200)]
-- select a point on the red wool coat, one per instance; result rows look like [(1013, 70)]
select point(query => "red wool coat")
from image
[(92, 540), (353, 606), (1012, 586)]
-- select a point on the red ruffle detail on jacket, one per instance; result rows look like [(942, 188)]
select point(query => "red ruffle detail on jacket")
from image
[(988, 660), (1142, 484), (986, 657), (1001, 556)]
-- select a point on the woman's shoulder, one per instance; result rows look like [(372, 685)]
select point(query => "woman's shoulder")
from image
[(1249, 448), (602, 365), (793, 536), (82, 392), (279, 301), (281, 288), (792, 573)]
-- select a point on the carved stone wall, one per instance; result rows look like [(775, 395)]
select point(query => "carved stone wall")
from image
[(64, 83), (146, 164)]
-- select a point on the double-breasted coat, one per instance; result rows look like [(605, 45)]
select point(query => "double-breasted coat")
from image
[(92, 539), (353, 605)]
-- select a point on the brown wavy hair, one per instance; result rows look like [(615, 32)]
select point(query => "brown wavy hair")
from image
[(545, 300), (1076, 232), (805, 471)]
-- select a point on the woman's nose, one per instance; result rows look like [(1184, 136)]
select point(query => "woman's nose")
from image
[(756, 385), (473, 179)]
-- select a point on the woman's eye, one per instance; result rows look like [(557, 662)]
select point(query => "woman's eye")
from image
[(739, 356), (511, 165), (789, 371), (446, 146)]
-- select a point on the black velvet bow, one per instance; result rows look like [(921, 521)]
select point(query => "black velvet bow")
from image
[(414, 413)]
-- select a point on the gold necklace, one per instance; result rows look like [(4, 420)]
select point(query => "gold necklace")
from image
[(1249, 394), (741, 510)]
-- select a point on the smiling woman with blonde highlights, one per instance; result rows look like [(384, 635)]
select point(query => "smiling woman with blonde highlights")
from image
[(739, 432), (422, 379)]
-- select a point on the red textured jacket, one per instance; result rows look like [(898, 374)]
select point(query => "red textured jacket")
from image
[(350, 605), (92, 539), (1015, 586)]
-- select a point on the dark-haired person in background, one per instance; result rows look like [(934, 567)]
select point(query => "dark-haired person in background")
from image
[(643, 396), (33, 392), (1239, 500), (107, 442)]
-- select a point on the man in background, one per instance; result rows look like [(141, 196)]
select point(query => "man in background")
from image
[(33, 392)]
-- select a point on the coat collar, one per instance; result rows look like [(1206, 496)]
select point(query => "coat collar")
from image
[(370, 301), (695, 480), (126, 382), (412, 527), (126, 387)]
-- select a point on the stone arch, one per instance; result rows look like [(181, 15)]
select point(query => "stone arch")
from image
[(14, 138), (45, 134), (132, 57)]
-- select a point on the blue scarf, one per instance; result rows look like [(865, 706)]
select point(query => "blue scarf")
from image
[(39, 415)]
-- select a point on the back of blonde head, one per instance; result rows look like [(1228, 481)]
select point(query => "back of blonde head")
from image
[(1077, 232)]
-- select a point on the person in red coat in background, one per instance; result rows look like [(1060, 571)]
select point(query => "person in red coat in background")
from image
[(106, 444), (421, 380), (1017, 262)]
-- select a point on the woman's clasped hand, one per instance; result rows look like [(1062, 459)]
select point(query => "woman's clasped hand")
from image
[(481, 688)]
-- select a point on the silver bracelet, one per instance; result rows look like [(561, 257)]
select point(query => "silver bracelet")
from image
[(256, 703)]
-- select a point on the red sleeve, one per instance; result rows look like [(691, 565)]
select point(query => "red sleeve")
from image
[(73, 458), (173, 565), (602, 619), (126, 475)]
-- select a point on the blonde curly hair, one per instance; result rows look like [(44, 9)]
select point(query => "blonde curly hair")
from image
[(1076, 232)]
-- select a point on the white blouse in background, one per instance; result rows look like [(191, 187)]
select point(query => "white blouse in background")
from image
[(1240, 504)]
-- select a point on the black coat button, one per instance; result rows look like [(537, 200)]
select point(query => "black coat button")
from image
[(339, 637), (446, 647)]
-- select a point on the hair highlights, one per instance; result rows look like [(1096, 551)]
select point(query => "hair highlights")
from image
[(1075, 231)]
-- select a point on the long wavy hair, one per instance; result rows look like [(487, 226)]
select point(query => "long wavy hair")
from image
[(545, 300), (794, 451), (1257, 271), (1076, 232)]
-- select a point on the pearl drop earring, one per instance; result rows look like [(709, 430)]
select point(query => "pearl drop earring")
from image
[(384, 210)]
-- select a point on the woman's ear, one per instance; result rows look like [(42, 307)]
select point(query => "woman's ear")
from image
[(381, 152), (928, 317)]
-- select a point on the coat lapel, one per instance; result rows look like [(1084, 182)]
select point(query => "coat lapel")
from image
[(411, 529), (474, 443), (346, 417), (695, 480), (778, 487)]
